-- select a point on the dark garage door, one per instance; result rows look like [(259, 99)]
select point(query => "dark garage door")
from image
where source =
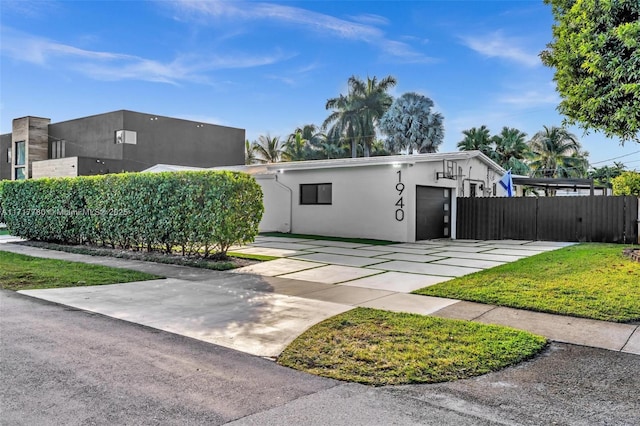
[(433, 212)]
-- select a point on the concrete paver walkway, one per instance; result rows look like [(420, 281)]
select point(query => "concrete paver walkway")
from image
[(262, 308), (434, 261)]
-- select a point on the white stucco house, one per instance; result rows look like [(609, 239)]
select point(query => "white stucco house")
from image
[(399, 198)]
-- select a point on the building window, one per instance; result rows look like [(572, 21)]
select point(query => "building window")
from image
[(316, 193), (126, 136), (20, 153), (473, 190), (9, 155), (20, 173), (58, 149)]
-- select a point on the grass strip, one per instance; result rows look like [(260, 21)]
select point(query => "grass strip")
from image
[(362, 241), (377, 348), (259, 257), (20, 272), (586, 280)]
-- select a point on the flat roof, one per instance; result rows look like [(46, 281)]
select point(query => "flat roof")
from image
[(380, 160), (273, 168)]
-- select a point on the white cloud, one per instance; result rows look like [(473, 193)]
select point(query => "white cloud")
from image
[(530, 98), (369, 18), (117, 66), (31, 9), (496, 45), (405, 53), (267, 11), (360, 28)]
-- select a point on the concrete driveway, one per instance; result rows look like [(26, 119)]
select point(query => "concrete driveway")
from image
[(260, 309), (400, 268)]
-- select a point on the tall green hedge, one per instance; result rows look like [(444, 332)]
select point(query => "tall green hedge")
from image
[(200, 212)]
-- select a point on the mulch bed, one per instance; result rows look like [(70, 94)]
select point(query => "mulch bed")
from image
[(172, 259)]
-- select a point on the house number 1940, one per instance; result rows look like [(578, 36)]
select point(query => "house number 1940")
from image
[(400, 202)]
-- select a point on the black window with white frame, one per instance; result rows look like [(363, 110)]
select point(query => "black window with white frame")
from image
[(315, 193)]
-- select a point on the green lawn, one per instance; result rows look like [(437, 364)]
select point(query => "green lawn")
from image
[(362, 241), (4, 232), (586, 280), (384, 348), (20, 272)]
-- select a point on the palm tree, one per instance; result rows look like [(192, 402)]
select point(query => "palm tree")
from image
[(329, 149), (344, 122), (380, 148), (295, 148), (310, 132), (356, 114), (373, 101), (268, 149), (556, 153), (477, 139), (411, 125), (511, 150), (249, 152), (313, 139)]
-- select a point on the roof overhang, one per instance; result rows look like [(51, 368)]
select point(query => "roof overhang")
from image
[(394, 160)]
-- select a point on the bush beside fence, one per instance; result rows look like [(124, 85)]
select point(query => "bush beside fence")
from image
[(200, 212)]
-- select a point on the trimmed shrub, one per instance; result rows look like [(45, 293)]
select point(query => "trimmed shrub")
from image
[(199, 213), (628, 183)]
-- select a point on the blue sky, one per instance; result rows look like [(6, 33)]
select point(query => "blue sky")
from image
[(269, 67)]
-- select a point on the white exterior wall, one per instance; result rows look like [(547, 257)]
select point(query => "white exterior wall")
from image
[(474, 171), (277, 205), (364, 198), (365, 192), (363, 203)]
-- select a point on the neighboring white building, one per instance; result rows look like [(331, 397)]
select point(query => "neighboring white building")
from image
[(398, 198)]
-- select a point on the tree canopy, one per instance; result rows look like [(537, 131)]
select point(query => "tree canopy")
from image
[(557, 153), (477, 139), (596, 55), (628, 183), (355, 115), (268, 149), (410, 124), (511, 150)]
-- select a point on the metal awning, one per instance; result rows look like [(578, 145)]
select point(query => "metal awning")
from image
[(558, 183)]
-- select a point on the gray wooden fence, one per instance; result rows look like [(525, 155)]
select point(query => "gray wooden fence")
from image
[(591, 219)]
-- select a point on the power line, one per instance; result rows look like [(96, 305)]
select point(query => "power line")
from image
[(615, 158)]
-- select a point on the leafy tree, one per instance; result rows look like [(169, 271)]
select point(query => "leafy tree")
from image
[(557, 153), (603, 175), (628, 183), (268, 149), (356, 114), (596, 55), (411, 125), (511, 150), (477, 139), (249, 152)]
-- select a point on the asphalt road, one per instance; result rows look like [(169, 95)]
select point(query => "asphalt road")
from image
[(60, 366)]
